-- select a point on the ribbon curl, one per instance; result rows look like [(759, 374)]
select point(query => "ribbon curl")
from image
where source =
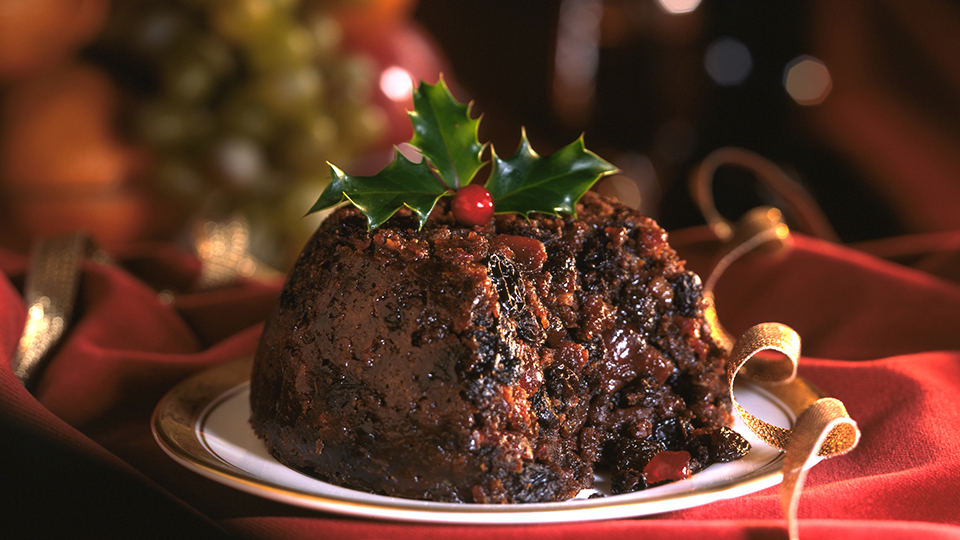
[(823, 428)]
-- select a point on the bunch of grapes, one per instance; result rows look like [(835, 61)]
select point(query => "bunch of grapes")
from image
[(242, 103)]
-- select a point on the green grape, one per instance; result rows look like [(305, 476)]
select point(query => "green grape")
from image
[(287, 92), (355, 77), (364, 123), (283, 47), (307, 150), (189, 79), (216, 53), (323, 130), (327, 36), (243, 114), (244, 103), (242, 21), (168, 123), (194, 70)]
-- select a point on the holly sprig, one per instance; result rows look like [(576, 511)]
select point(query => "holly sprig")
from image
[(447, 138)]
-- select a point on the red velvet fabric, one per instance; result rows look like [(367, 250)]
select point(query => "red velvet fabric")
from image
[(78, 456)]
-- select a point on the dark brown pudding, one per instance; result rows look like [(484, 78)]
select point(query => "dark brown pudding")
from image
[(489, 364)]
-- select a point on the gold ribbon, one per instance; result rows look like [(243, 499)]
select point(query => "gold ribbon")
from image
[(802, 205), (823, 428)]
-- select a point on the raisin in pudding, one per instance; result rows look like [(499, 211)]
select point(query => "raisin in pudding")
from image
[(501, 363)]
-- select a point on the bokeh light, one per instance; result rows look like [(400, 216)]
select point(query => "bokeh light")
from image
[(396, 83), (807, 80), (728, 62), (678, 6)]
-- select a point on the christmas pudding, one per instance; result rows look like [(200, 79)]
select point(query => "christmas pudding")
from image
[(428, 348)]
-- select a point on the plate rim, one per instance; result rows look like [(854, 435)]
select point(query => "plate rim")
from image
[(176, 426)]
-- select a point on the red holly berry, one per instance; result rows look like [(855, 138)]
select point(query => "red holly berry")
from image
[(667, 466), (472, 205)]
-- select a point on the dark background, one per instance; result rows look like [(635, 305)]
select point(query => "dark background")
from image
[(653, 97)]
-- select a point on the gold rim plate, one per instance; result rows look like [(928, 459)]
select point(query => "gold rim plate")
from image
[(203, 424)]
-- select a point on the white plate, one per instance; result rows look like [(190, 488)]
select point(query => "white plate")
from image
[(203, 423)]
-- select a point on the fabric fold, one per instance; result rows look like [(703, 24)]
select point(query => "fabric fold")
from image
[(877, 336)]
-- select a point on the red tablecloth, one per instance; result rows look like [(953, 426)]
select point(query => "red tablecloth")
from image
[(78, 456)]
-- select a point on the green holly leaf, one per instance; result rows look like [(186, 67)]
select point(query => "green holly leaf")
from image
[(445, 134), (446, 137), (528, 183), (401, 183)]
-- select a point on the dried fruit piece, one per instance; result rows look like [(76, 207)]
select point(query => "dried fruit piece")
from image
[(667, 466)]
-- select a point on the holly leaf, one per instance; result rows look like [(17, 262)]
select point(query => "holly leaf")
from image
[(401, 183), (445, 134), (446, 137), (528, 183)]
